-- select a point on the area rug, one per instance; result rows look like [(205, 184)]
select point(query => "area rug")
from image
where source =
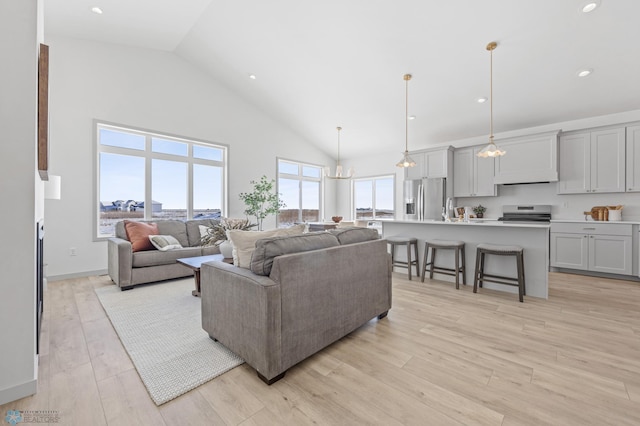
[(160, 327)]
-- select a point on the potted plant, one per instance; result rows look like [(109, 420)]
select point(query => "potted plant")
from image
[(262, 201), (479, 210)]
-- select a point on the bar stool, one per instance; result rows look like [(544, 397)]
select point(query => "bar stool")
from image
[(480, 276), (399, 240), (458, 247)]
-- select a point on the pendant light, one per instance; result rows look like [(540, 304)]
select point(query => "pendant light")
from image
[(406, 160), (492, 149), (338, 174)]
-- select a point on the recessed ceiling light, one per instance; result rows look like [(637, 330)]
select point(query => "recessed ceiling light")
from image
[(96, 10), (590, 6), (252, 76), (585, 72), (412, 117), (481, 100)]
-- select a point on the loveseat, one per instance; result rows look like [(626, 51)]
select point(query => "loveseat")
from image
[(301, 293), (128, 268)]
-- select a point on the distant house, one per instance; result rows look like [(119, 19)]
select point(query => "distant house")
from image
[(156, 206)]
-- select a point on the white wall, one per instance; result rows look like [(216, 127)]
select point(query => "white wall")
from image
[(563, 206), (156, 91), (20, 188)]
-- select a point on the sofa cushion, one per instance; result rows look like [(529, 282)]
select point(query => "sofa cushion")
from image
[(164, 242), (244, 242), (156, 257), (355, 234), (269, 248), (138, 234), (193, 229), (175, 228)]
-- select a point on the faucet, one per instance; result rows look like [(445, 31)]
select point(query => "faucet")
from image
[(448, 209)]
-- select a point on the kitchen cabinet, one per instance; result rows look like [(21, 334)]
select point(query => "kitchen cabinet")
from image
[(593, 247), (436, 163), (592, 162), (472, 176), (529, 159), (633, 159)]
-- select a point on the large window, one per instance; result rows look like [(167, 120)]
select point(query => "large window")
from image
[(299, 186), (373, 198), (143, 176)]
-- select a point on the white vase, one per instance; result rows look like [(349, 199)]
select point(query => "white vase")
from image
[(226, 249)]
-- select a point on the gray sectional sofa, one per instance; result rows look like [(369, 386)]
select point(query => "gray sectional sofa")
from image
[(128, 269), (301, 294)]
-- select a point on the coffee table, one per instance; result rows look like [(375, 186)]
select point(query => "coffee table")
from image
[(196, 262)]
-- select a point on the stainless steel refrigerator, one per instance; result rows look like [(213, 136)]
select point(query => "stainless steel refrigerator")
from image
[(424, 199)]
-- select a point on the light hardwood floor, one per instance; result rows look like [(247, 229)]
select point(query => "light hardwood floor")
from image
[(441, 357)]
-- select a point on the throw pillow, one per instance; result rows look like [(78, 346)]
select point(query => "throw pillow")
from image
[(244, 242), (138, 234), (164, 242)]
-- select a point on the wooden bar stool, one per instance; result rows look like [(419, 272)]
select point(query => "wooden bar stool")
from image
[(480, 276), (399, 240), (458, 247)]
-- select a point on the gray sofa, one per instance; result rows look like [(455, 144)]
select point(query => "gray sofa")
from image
[(128, 269), (305, 295)]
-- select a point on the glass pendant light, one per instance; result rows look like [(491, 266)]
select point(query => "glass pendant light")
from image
[(338, 174), (492, 149), (406, 160)]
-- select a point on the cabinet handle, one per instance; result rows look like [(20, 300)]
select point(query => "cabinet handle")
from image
[(591, 236), (588, 229)]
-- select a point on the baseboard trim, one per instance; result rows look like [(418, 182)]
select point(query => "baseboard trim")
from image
[(632, 278), (18, 392), (52, 278)]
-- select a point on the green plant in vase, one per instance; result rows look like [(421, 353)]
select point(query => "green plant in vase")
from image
[(479, 210), (262, 201)]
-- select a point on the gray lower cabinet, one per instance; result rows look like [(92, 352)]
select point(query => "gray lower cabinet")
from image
[(605, 248)]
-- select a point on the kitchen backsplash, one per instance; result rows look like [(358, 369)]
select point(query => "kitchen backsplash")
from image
[(563, 206)]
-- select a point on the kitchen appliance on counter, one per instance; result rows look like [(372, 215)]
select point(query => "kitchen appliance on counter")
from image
[(537, 213), (424, 199)]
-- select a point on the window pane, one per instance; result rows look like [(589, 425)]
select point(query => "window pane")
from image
[(121, 190), (168, 147), (207, 153), (384, 198), (207, 191), (289, 190), (121, 139), (169, 189), (288, 168), (310, 201), (311, 171), (363, 198)]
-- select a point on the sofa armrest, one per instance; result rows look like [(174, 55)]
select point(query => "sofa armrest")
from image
[(120, 255), (242, 311)]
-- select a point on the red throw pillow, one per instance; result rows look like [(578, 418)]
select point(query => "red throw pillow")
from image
[(138, 234)]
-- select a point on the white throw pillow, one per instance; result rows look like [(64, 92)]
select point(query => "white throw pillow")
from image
[(164, 242), (244, 242)]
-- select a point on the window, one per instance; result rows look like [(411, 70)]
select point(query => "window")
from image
[(373, 198), (299, 186), (144, 176)]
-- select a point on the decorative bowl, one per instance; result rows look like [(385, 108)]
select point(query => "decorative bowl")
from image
[(336, 219)]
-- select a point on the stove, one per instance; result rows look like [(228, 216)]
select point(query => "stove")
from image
[(537, 213)]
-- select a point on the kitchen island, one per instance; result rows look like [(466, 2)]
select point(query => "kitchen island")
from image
[(533, 237)]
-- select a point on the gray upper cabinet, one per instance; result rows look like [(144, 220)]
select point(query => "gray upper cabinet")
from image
[(435, 163), (529, 159), (633, 159), (472, 176), (592, 162)]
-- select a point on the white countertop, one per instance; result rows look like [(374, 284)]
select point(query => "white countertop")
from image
[(472, 222), (621, 222)]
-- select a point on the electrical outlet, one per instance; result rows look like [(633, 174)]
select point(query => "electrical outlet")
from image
[(72, 251)]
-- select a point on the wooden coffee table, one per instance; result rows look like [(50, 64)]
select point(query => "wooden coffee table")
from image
[(196, 262)]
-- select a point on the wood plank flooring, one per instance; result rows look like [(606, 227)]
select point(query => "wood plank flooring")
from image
[(441, 357)]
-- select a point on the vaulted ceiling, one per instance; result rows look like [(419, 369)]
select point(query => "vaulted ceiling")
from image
[(341, 62)]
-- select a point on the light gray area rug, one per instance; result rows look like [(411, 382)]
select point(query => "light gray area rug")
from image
[(160, 327)]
